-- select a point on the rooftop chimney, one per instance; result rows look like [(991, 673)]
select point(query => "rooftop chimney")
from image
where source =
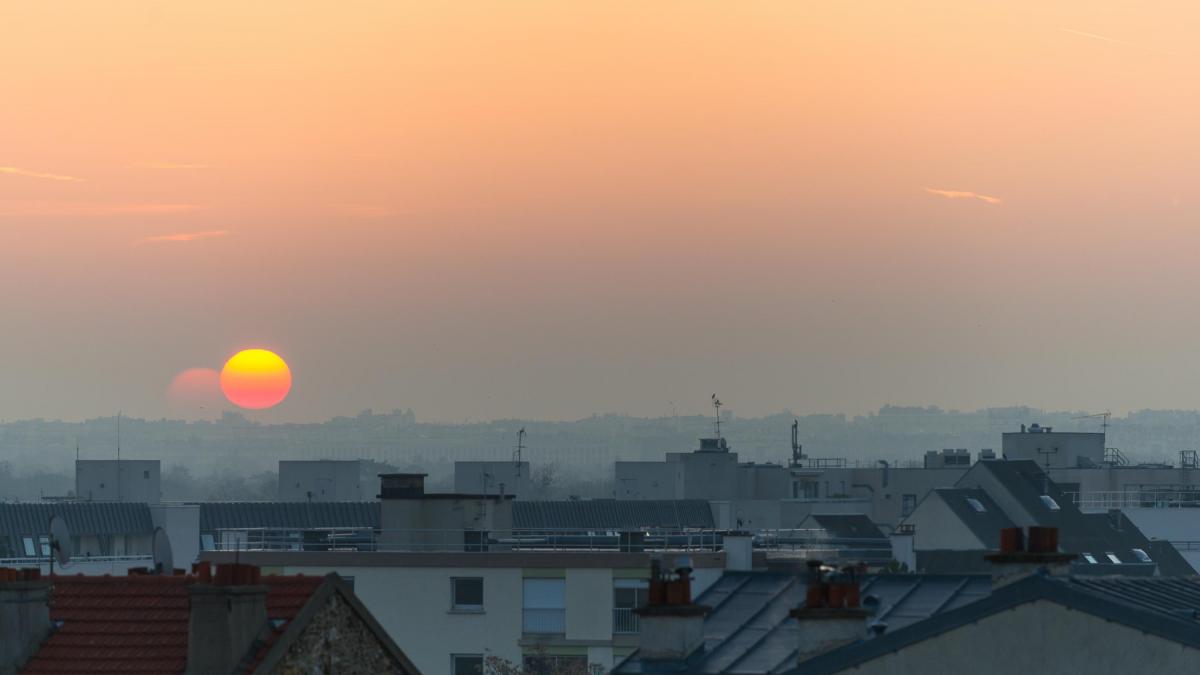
[(1016, 560), (832, 614), (402, 485), (24, 616), (672, 627), (739, 551), (226, 618)]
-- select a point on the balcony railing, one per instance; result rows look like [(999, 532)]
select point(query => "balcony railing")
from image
[(544, 621), (520, 541), (624, 620), (1131, 499)]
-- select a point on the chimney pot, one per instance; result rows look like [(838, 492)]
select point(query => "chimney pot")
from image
[(1012, 540), (24, 616)]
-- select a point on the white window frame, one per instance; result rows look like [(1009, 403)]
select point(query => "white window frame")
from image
[(454, 604)]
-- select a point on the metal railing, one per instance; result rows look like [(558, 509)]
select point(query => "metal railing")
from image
[(544, 621), (625, 621), (516, 540), (1129, 499)]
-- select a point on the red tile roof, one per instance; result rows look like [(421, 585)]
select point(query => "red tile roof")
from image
[(137, 624)]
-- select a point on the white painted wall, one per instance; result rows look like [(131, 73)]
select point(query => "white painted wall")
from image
[(324, 480), (139, 480), (589, 604), (413, 605)]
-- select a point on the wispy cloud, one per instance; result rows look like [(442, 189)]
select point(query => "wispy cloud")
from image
[(1112, 40), (169, 166), (91, 209), (365, 210), (963, 194), (182, 237), (15, 171)]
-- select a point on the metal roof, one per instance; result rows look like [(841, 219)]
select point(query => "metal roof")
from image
[(749, 630), (613, 514), (288, 515), (845, 526), (82, 518), (1166, 608), (986, 525)]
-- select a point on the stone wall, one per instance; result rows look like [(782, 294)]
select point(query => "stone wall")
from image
[(336, 641)]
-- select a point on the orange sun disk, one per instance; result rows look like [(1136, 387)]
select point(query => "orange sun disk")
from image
[(256, 379)]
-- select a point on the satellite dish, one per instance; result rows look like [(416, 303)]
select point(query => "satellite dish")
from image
[(60, 540), (164, 559)]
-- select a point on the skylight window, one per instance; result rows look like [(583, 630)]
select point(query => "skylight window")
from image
[(1049, 502), (977, 505), (1112, 557), (1090, 558), (1142, 555)]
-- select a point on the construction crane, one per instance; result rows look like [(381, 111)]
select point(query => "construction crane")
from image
[(1104, 422)]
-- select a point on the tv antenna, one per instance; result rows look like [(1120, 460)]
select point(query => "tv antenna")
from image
[(797, 449), (716, 403), (118, 455), (1103, 422), (60, 542), (517, 450), (164, 558)]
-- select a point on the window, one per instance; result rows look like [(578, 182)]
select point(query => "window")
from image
[(44, 544), (1090, 558), (1049, 502), (146, 475), (29, 550), (467, 593), (908, 503), (976, 504), (544, 606), (812, 489), (1112, 557), (1142, 555), (628, 595), (466, 664)]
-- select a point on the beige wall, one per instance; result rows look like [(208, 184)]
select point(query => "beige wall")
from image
[(1039, 637), (413, 606), (589, 596), (937, 528)]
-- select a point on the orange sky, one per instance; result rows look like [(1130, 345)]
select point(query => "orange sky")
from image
[(549, 209)]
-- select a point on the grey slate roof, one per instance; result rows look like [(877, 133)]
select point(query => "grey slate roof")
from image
[(1163, 607), (82, 518), (844, 526), (986, 525), (613, 514), (288, 515), (749, 630)]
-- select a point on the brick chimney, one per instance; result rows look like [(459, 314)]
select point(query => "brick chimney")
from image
[(24, 616), (832, 614), (1016, 560), (226, 618), (672, 626)]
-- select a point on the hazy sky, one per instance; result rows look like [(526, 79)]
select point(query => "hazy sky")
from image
[(548, 209)]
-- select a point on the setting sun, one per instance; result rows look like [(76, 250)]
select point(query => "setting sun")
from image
[(256, 379)]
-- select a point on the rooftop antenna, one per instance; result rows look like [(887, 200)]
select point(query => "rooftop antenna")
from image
[(518, 449), (797, 449), (118, 455), (716, 403), (1103, 422), (60, 542), (76, 467), (164, 557)]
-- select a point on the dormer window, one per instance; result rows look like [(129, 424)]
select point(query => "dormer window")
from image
[(1113, 558), (1091, 559)]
